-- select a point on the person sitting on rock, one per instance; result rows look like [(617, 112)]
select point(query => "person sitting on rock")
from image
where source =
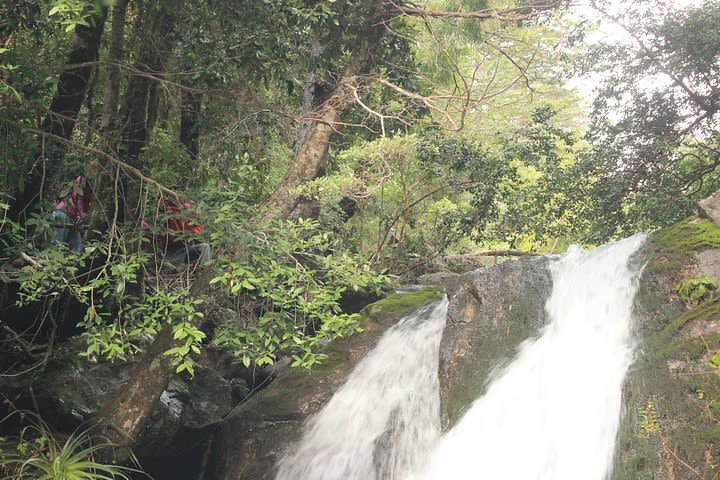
[(71, 211), (176, 241)]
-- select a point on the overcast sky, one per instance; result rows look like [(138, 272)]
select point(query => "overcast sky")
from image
[(608, 30)]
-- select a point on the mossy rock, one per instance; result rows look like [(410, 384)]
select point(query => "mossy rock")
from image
[(672, 394), (673, 247), (250, 441)]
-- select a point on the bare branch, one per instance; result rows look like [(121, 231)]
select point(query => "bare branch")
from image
[(513, 14), (427, 101), (124, 166)]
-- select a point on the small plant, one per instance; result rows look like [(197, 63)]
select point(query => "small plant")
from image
[(714, 360), (695, 290), (649, 423), (40, 455)]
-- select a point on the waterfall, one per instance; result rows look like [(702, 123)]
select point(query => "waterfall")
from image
[(385, 418), (552, 413)]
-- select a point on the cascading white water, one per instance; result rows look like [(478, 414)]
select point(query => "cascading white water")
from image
[(382, 422), (551, 414)]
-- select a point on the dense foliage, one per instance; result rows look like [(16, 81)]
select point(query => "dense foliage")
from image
[(653, 126)]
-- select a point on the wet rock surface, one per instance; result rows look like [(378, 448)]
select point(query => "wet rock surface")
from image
[(70, 391), (492, 311)]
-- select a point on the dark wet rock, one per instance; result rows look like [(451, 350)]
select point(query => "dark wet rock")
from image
[(454, 264), (672, 393), (408, 288), (250, 441), (70, 391), (188, 408), (352, 301), (493, 310)]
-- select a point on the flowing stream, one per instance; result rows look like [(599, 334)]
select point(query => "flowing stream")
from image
[(550, 414)]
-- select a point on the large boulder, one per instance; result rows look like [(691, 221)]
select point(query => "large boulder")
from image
[(249, 443), (177, 429), (493, 310), (671, 428), (70, 391)]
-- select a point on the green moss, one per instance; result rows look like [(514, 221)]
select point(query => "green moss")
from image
[(677, 242), (664, 343), (398, 305), (673, 373)]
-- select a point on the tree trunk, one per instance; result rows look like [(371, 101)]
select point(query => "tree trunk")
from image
[(140, 103), (124, 417), (62, 115), (111, 94), (141, 97), (190, 122), (326, 110)]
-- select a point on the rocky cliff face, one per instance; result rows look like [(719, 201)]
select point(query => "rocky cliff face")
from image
[(491, 311), (671, 428)]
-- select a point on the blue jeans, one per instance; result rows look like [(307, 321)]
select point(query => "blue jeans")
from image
[(179, 253), (67, 234)]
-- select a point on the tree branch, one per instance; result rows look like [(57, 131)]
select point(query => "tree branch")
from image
[(513, 14), (124, 166)]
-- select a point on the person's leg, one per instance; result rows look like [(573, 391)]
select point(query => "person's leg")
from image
[(177, 254), (62, 233), (199, 253), (75, 240)]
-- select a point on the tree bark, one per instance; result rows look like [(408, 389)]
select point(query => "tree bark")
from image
[(141, 97), (323, 110), (190, 122), (62, 115), (124, 417), (140, 102), (111, 95)]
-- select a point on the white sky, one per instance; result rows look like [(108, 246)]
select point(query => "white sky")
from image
[(606, 29)]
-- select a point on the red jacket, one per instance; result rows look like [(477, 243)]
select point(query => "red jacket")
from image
[(177, 223)]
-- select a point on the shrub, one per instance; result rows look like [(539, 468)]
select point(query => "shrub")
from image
[(695, 290)]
